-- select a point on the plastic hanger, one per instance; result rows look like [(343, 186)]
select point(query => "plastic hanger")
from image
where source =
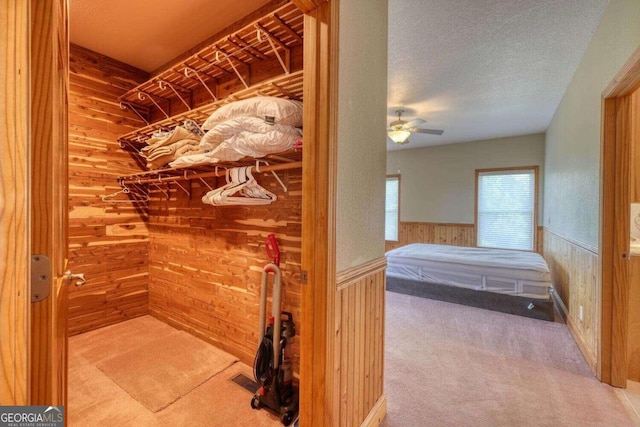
[(239, 181)]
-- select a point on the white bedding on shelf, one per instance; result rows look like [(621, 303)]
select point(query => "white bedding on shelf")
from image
[(243, 144), (495, 270), (272, 109), (232, 127)]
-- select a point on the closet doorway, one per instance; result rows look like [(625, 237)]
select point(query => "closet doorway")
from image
[(49, 373)]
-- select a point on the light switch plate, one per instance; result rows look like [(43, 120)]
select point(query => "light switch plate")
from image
[(635, 220)]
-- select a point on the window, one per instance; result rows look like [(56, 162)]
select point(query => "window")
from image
[(392, 208), (506, 208)]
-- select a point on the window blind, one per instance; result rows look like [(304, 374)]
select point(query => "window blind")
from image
[(392, 209), (506, 203)]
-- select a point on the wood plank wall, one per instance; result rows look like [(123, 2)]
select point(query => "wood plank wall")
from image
[(108, 242), (442, 234), (574, 270), (206, 262), (359, 342), (434, 232)]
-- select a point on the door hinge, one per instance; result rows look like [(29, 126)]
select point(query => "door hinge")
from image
[(40, 277), (303, 277)]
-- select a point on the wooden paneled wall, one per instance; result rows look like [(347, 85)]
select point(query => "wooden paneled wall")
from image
[(108, 242), (206, 262), (434, 232), (443, 234), (574, 270), (359, 344)]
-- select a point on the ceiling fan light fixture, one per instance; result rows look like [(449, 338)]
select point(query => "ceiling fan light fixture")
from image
[(399, 136)]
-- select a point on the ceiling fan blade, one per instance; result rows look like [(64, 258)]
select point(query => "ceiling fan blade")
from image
[(427, 131), (413, 123)]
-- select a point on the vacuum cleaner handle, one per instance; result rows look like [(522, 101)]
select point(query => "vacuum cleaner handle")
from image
[(273, 251)]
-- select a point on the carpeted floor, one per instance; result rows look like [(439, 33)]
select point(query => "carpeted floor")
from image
[(452, 365), (145, 373), (446, 365)]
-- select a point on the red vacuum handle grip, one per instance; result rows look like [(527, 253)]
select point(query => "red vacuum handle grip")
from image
[(271, 246)]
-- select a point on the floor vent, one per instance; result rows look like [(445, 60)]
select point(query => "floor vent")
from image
[(246, 383)]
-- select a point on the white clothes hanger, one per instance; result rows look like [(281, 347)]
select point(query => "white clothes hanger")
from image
[(138, 196), (208, 198), (253, 189), (239, 181)]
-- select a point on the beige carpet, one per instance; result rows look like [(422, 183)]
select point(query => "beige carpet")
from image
[(159, 372), (452, 365), (154, 363)]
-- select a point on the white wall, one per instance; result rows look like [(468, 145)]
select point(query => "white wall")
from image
[(438, 183), (572, 159), (361, 132)]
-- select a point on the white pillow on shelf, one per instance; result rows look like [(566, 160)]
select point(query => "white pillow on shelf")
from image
[(271, 109), (227, 129)]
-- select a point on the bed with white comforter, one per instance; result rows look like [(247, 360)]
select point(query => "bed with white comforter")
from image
[(517, 282)]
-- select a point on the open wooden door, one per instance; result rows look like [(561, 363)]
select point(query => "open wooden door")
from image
[(619, 355), (48, 207), (33, 200)]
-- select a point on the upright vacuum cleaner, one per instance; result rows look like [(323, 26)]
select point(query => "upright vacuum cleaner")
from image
[(271, 368)]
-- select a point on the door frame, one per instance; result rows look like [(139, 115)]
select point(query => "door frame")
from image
[(48, 193), (319, 166), (614, 222)]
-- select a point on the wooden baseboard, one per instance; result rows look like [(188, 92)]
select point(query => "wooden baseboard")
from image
[(377, 413), (582, 345)]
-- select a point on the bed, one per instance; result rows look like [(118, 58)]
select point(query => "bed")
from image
[(515, 282)]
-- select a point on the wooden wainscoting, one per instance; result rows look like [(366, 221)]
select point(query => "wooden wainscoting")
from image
[(359, 345), (434, 232), (108, 242), (454, 234), (206, 262), (574, 271)]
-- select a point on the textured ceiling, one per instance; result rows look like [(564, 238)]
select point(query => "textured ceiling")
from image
[(149, 33), (483, 69)]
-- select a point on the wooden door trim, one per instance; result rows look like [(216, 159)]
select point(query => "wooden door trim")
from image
[(14, 195), (614, 223), (48, 189), (318, 210)]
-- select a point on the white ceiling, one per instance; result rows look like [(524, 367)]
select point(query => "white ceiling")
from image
[(482, 69), (478, 69), (149, 33)]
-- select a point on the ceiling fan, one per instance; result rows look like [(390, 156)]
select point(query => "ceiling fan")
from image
[(399, 130)]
